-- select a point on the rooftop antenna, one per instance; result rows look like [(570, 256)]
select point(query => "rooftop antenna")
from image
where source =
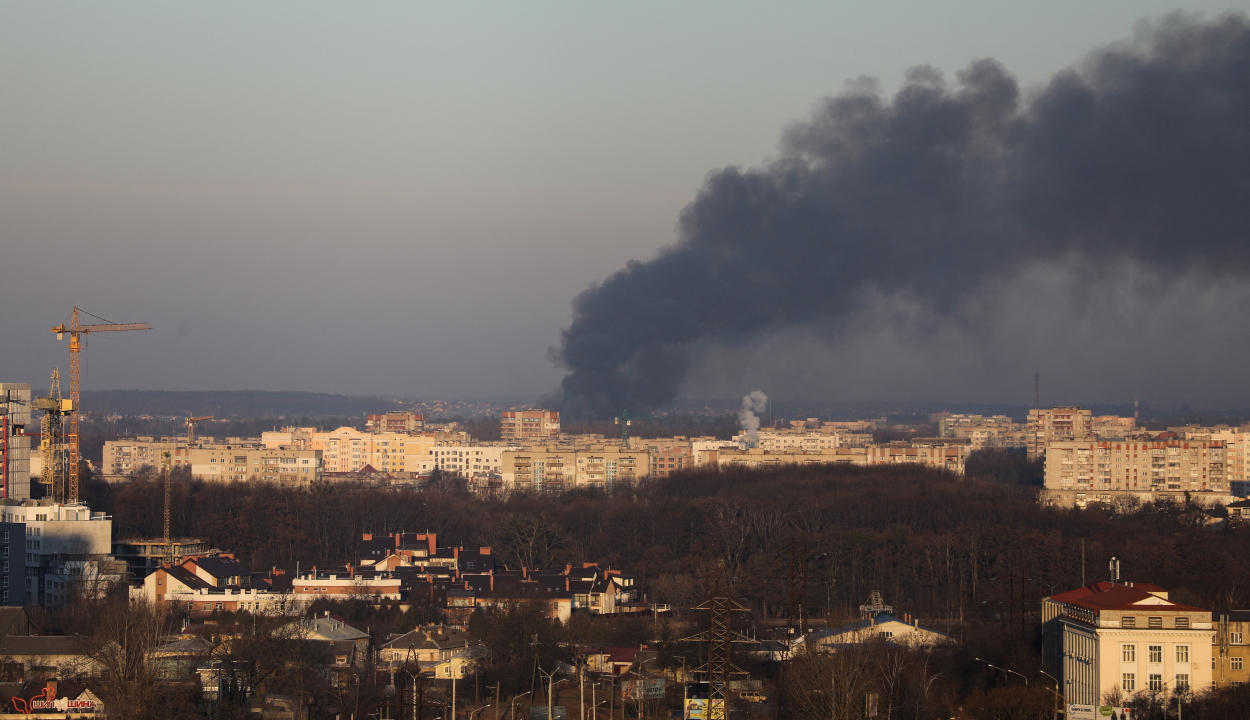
[(1037, 391)]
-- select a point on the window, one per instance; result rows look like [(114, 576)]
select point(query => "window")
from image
[(1156, 683), (1156, 653), (1182, 622), (1156, 622), (1236, 663), (1128, 653), (1235, 638), (1182, 682), (1182, 653), (1128, 681)]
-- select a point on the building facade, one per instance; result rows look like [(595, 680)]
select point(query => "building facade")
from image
[(1083, 471), (1108, 642), (529, 426), (14, 442), (1058, 423), (250, 462), (552, 469)]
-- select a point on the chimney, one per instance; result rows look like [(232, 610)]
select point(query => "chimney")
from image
[(483, 551), (351, 571), (366, 536), (53, 688)]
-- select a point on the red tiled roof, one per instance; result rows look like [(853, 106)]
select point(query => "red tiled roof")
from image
[(1122, 597)]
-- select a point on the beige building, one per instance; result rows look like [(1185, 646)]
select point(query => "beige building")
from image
[(127, 455), (995, 431), (938, 453), (1108, 642), (529, 426), (237, 463), (1083, 471), (554, 469), (760, 458), (1045, 426), (1231, 652), (802, 440)]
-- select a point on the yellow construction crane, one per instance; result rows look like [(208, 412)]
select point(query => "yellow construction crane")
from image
[(52, 436), (77, 343), (191, 421)]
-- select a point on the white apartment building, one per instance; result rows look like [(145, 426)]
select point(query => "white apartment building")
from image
[(1082, 471), (67, 545)]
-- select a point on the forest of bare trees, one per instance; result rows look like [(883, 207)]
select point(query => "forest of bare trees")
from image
[(969, 556)]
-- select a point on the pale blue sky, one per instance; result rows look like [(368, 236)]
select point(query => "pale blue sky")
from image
[(404, 197)]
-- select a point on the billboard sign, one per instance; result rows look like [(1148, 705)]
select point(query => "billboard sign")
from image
[(1082, 712)]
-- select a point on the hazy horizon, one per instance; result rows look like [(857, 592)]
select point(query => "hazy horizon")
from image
[(404, 199)]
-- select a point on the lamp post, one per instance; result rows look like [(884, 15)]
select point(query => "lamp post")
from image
[(1058, 696), (513, 703), (1005, 670)]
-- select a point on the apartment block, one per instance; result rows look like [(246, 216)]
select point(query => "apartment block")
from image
[(761, 458), (554, 469), (994, 431), (127, 455), (938, 453), (1117, 640), (237, 463), (795, 439), (1083, 471), (66, 551), (1059, 423), (529, 426), (14, 442), (395, 421)]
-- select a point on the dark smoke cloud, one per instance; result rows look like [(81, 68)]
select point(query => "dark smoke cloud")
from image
[(1138, 157)]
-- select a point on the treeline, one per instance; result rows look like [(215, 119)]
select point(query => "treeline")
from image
[(934, 544)]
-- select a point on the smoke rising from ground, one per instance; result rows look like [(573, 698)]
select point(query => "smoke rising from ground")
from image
[(754, 402), (939, 197)]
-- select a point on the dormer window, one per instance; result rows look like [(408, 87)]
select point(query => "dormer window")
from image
[(1182, 623), (1128, 621)]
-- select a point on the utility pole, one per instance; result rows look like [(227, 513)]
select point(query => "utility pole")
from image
[(498, 695)]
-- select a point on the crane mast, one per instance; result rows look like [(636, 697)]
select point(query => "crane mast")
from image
[(77, 343), (52, 436)]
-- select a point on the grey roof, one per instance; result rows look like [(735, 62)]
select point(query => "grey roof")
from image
[(222, 567), (324, 628)]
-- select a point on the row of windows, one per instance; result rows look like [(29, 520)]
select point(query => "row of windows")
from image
[(1128, 653), (1128, 681), (1129, 621)]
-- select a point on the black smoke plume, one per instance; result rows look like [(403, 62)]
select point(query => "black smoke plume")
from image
[(1141, 154)]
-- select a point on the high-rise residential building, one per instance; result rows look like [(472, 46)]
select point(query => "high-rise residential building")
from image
[(1065, 422), (1111, 640), (15, 443), (524, 426), (1079, 472), (395, 421)]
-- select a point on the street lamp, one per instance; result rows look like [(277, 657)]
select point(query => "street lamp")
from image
[(1059, 698), (1005, 670), (514, 699)]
